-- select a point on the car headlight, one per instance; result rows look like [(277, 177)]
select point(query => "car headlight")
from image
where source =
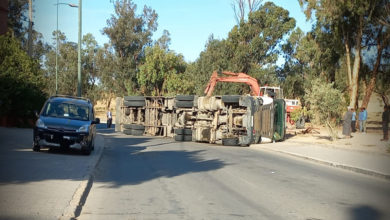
[(40, 124), (83, 128)]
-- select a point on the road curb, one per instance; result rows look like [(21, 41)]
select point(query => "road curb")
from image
[(334, 164), (73, 210)]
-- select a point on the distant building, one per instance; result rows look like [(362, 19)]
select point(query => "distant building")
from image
[(3, 16)]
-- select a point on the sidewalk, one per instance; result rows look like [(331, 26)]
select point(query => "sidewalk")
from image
[(363, 153)]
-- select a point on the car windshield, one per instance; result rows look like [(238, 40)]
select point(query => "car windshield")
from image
[(66, 110)]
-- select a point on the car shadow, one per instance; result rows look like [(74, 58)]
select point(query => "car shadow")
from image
[(126, 159), (363, 212)]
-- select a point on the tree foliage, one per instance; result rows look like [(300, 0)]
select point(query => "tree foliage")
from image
[(21, 81), (251, 47), (356, 25), (325, 103), (161, 71), (129, 35)]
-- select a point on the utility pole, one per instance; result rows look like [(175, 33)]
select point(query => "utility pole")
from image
[(57, 53), (57, 44), (30, 25), (79, 54)]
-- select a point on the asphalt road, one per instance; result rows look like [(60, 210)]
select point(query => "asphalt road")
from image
[(154, 178), (38, 185)]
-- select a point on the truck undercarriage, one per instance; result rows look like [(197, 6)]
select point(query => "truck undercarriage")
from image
[(227, 120)]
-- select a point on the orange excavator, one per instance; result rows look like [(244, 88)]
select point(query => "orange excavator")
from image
[(256, 90), (233, 78)]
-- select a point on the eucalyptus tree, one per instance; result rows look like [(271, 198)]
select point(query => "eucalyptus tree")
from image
[(358, 25), (162, 72), (129, 35)]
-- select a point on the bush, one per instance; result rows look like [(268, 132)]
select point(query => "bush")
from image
[(21, 81), (326, 104)]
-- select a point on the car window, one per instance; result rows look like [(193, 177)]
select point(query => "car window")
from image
[(67, 110)]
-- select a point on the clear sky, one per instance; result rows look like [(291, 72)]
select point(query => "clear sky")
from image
[(190, 22)]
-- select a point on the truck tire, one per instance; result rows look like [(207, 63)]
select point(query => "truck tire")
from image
[(185, 104), (231, 99), (127, 126), (136, 127), (136, 132), (185, 97), (187, 131), (230, 141), (134, 103), (127, 131), (134, 98), (179, 131), (179, 137), (187, 137)]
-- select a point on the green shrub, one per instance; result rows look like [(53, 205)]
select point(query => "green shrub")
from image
[(326, 105), (21, 81)]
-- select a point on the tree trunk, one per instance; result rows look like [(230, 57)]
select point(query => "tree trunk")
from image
[(349, 70), (385, 100), (372, 83), (356, 66)]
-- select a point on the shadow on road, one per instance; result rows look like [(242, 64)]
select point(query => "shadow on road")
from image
[(19, 164), (364, 212), (134, 160), (102, 128), (126, 159)]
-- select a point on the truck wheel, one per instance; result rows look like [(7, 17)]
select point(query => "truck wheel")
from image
[(127, 126), (187, 131), (127, 131), (179, 137), (136, 132), (179, 131), (231, 99), (134, 103), (185, 97), (184, 104), (136, 127), (230, 141), (187, 137), (134, 98)]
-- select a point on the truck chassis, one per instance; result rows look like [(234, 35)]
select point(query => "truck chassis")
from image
[(227, 120)]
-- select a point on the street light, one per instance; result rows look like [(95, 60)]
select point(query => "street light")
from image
[(70, 5)]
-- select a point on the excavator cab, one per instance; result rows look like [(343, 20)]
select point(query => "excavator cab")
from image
[(274, 92)]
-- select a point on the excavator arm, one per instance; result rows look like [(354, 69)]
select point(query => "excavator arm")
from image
[(233, 78)]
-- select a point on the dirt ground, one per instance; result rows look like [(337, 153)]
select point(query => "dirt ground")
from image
[(367, 142)]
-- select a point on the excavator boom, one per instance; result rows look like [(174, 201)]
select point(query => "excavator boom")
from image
[(233, 78)]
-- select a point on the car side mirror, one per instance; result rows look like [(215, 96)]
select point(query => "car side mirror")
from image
[(36, 113), (96, 121)]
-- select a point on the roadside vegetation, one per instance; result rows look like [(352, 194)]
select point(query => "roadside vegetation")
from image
[(343, 59)]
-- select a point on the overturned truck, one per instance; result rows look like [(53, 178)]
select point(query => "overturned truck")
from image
[(227, 120)]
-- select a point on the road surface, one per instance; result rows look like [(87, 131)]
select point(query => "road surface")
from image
[(38, 185), (155, 178)]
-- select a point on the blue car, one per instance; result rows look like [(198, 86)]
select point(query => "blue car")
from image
[(66, 122)]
